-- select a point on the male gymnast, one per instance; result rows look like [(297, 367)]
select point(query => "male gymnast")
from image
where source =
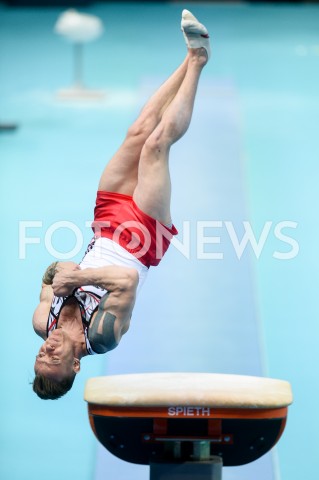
[(85, 309)]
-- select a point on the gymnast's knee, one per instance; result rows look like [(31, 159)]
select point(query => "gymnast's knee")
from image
[(157, 143), (141, 128)]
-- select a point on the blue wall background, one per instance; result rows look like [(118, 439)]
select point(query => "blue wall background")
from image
[(251, 154)]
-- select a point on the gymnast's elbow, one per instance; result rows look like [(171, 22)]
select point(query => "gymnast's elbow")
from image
[(124, 295), (130, 280)]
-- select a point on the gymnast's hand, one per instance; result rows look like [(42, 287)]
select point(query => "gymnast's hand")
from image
[(63, 281)]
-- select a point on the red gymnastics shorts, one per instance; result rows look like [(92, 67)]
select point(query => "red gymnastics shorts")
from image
[(116, 216)]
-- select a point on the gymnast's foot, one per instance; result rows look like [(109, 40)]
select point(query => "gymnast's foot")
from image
[(195, 34)]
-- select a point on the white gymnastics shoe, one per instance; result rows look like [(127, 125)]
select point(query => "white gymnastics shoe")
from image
[(195, 34)]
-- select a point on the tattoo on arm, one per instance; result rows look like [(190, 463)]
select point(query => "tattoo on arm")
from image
[(49, 274), (101, 332)]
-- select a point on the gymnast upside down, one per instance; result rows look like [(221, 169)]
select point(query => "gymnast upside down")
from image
[(85, 309)]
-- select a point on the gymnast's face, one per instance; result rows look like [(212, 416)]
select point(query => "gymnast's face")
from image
[(55, 359)]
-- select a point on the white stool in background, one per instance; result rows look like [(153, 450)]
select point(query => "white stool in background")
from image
[(79, 29)]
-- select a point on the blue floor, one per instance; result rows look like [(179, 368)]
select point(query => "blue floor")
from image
[(251, 154)]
